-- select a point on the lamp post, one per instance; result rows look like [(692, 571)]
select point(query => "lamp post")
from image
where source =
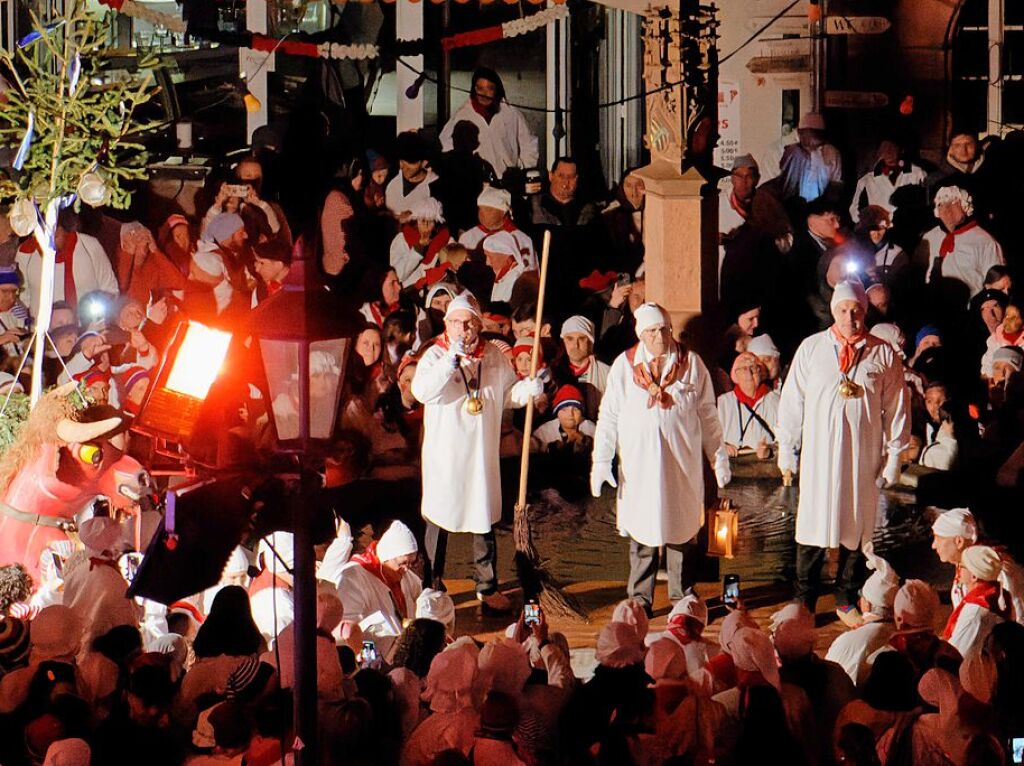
[(303, 338)]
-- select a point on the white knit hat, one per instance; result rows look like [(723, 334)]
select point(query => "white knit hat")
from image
[(463, 302), (880, 588), (958, 522), (792, 629), (438, 606), (501, 242), (650, 315), (982, 561), (850, 290), (397, 541), (499, 199), (427, 209), (578, 324), (763, 345), (751, 650), (284, 544)]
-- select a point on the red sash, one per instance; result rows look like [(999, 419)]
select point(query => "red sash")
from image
[(412, 239), (983, 594), (66, 256)]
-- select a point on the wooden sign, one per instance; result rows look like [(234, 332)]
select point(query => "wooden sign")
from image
[(779, 64), (855, 99), (856, 25)]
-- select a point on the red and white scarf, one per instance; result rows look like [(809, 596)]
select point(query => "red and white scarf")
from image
[(439, 240), (369, 561), (984, 594), (649, 375)]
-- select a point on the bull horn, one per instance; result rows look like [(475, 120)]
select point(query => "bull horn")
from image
[(75, 432)]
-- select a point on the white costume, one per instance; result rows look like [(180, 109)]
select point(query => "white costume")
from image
[(369, 602), (974, 253), (407, 261), (661, 479), (740, 427), (841, 441), (877, 188), (472, 238), (92, 271), (461, 480), (505, 142), (854, 650), (398, 202)]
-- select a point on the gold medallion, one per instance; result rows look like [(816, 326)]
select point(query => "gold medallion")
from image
[(850, 390), (474, 406), (654, 389)]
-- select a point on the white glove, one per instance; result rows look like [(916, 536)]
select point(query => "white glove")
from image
[(890, 474), (599, 474), (787, 460), (723, 474), (533, 386)]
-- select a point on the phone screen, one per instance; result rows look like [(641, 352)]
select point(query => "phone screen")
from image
[(1017, 749), (369, 652), (531, 613), (730, 589)]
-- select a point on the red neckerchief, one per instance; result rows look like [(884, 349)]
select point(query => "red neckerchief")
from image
[(1011, 337), (273, 286), (677, 627), (647, 378), (738, 206), (267, 579), (847, 348), (96, 562), (433, 276), (66, 256), (412, 239), (983, 594), (477, 353), (378, 315), (949, 241), (510, 264), (368, 560), (748, 400), (483, 111), (582, 369)]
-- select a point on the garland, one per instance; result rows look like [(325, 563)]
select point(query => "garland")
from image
[(514, 28)]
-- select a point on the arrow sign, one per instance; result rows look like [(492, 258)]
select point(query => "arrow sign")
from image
[(856, 25), (855, 99), (779, 64)]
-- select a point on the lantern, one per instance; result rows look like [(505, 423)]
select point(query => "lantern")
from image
[(723, 529), (192, 363)]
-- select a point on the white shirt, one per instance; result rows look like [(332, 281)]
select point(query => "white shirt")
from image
[(661, 480), (740, 428), (975, 251), (471, 239), (398, 202), (92, 271), (505, 142), (841, 441), (878, 189), (369, 602)]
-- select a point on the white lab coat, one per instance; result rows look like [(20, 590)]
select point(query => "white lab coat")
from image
[(92, 271), (505, 142), (740, 428), (854, 650), (661, 476), (461, 478), (841, 441), (369, 602), (974, 253), (471, 239), (398, 202)]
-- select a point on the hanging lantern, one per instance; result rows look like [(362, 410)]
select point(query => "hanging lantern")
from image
[(723, 529)]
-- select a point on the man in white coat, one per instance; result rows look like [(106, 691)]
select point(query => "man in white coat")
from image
[(379, 589), (749, 412), (465, 383), (505, 138), (844, 407), (658, 413), (591, 374)]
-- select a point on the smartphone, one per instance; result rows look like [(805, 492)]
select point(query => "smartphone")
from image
[(58, 564), (531, 613), (1016, 749), (237, 190), (369, 654), (624, 279), (731, 589)]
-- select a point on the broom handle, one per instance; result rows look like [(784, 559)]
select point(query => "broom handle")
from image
[(524, 462)]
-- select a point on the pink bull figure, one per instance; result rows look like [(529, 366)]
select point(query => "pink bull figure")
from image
[(61, 461)]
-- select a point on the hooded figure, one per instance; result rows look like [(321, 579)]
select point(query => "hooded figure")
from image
[(505, 138), (845, 412)]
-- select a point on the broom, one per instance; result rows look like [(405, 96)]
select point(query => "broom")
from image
[(535, 580)]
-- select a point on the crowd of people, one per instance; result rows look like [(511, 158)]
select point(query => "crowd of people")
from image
[(437, 250)]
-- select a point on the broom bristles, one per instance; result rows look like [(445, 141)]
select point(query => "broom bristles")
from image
[(536, 581)]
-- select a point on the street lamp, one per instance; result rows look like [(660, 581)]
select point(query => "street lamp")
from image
[(303, 337)]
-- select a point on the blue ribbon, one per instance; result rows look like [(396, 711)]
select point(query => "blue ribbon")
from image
[(26, 142)]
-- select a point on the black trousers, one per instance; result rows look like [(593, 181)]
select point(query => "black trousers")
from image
[(850, 575), (485, 559)]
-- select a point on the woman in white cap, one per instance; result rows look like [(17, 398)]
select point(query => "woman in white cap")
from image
[(417, 246), (844, 408), (658, 415), (493, 209), (465, 384), (379, 589), (983, 606)]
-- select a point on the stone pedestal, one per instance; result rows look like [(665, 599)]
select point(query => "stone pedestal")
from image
[(681, 242)]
